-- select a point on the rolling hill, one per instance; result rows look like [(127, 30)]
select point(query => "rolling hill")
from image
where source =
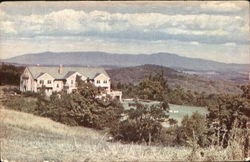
[(125, 60), (26, 137), (187, 81)]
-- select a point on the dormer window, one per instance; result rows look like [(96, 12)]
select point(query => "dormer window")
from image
[(98, 81)]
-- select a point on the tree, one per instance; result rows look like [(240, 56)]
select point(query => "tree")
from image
[(10, 74), (153, 87), (223, 115), (194, 129), (142, 124), (246, 91), (81, 107)]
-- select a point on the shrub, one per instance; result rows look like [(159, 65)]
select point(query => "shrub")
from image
[(170, 136), (21, 104), (224, 114), (11, 90), (81, 108), (142, 124), (194, 130), (30, 94)]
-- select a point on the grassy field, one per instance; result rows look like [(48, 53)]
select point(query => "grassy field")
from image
[(176, 112), (25, 137)]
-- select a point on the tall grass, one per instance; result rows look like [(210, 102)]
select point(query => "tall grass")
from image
[(31, 138)]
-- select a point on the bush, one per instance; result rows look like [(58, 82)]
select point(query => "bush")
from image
[(30, 94), (142, 124), (224, 114), (81, 108), (11, 90), (194, 130), (21, 104)]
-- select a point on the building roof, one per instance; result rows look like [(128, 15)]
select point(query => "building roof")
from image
[(89, 72)]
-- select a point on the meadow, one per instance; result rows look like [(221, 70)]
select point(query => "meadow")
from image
[(26, 137)]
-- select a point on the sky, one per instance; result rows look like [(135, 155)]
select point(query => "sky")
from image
[(211, 30)]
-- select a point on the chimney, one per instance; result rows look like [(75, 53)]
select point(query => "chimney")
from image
[(60, 69)]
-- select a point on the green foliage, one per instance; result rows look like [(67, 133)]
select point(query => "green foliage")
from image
[(20, 103), (152, 88), (224, 114), (194, 130), (11, 90), (142, 124), (30, 94), (155, 87), (10, 74), (246, 91), (81, 108)]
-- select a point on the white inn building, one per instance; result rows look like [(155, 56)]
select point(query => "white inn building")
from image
[(56, 79)]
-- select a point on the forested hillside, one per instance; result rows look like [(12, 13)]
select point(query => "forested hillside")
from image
[(186, 81)]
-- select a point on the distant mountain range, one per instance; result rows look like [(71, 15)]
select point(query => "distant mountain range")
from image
[(126, 60)]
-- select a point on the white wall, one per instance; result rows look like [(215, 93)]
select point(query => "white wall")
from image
[(26, 84), (102, 78), (45, 78), (71, 81), (60, 85)]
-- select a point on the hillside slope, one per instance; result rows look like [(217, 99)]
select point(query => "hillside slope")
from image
[(187, 81), (26, 137), (123, 60)]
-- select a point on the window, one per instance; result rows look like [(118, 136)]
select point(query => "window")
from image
[(98, 81), (49, 81), (72, 81), (57, 85), (41, 82), (105, 81)]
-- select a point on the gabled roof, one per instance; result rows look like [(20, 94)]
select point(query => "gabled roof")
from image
[(89, 72), (97, 74), (69, 74), (41, 74)]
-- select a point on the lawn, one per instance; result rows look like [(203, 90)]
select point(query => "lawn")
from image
[(176, 112)]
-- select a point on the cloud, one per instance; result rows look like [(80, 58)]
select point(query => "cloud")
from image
[(220, 6), (194, 43), (203, 28), (7, 27), (229, 44)]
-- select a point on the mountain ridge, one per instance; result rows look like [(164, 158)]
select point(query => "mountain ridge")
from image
[(97, 58)]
